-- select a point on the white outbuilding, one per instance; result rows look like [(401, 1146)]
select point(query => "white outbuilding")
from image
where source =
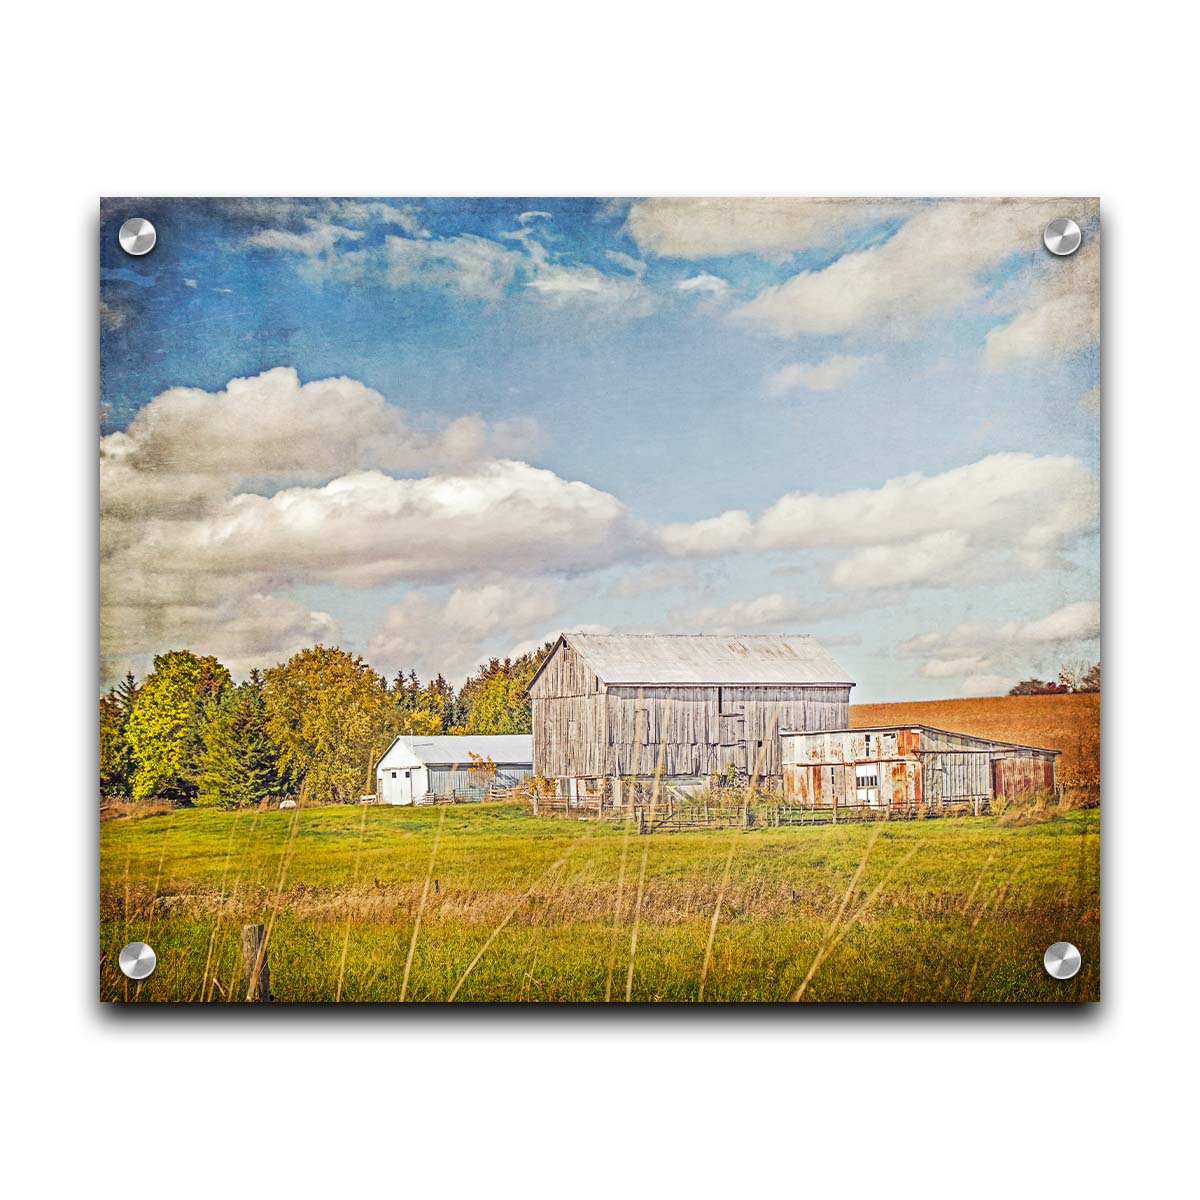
[(415, 767)]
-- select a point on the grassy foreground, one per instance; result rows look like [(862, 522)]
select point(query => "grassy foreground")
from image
[(518, 908)]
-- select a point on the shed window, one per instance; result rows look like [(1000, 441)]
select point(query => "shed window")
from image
[(866, 783), (395, 774), (866, 775), (868, 745)]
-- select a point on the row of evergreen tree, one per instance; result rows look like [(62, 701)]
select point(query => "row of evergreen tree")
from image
[(314, 726)]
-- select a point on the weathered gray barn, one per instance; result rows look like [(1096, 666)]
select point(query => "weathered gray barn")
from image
[(902, 766), (613, 706)]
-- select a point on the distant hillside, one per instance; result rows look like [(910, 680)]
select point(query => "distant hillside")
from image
[(1068, 723)]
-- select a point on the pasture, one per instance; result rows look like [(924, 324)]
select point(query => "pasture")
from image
[(489, 903)]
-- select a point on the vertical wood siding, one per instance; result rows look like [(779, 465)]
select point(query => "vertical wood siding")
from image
[(582, 727)]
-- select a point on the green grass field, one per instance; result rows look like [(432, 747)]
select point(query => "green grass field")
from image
[(517, 908)]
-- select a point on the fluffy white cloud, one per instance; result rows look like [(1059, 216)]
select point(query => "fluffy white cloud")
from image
[(1059, 316), (455, 633), (243, 630), (932, 265), (368, 528), (207, 581), (988, 657), (691, 227), (214, 502), (187, 441), (1006, 513), (821, 376)]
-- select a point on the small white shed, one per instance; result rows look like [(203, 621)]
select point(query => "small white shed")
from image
[(414, 767)]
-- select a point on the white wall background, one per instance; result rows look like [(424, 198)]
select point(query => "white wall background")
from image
[(621, 98)]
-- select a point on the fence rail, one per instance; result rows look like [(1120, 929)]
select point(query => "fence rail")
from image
[(669, 815)]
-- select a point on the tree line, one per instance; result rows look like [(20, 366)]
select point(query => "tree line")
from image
[(314, 726), (1077, 677)]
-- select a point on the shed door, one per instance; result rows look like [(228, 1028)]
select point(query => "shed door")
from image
[(866, 783)]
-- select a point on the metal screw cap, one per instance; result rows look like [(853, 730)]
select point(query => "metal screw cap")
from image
[(1062, 236), (137, 960), (1062, 960), (137, 236)]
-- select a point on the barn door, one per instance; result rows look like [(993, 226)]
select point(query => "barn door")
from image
[(732, 729)]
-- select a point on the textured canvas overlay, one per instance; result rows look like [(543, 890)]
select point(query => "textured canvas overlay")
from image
[(599, 601)]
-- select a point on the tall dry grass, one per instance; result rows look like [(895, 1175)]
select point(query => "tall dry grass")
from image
[(543, 910)]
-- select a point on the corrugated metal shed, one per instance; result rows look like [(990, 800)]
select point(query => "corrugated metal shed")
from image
[(698, 658), (503, 749)]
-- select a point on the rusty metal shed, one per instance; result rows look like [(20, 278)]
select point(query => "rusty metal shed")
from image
[(903, 766)]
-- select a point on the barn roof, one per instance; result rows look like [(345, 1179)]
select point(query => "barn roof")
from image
[(701, 658), (512, 749), (994, 743)]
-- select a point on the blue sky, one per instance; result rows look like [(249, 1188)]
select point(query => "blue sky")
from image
[(463, 425)]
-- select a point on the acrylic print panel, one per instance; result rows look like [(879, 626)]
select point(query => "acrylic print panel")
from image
[(599, 601)]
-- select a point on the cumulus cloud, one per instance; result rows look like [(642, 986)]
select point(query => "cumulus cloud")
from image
[(823, 376), (1005, 513), (987, 657), (244, 629), (214, 503), (272, 426), (455, 633), (691, 227), (934, 264), (368, 528), (1059, 316)]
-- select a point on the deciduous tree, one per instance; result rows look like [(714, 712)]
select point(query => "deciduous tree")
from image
[(326, 714), (164, 725), (496, 699)]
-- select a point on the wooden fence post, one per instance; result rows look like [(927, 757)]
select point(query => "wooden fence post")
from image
[(254, 964)]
